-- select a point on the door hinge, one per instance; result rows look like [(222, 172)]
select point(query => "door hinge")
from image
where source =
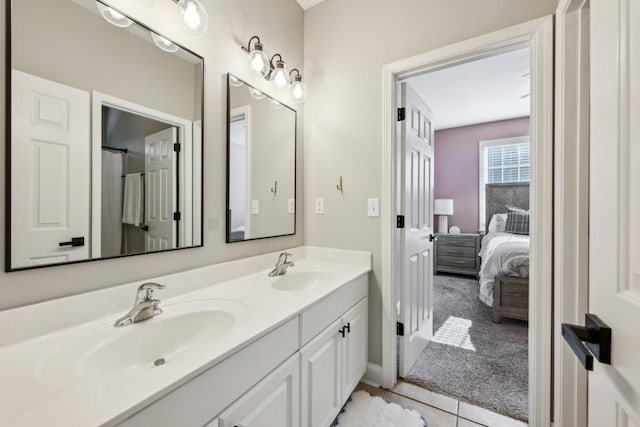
[(400, 329), (177, 216), (400, 221), (176, 147), (402, 112)]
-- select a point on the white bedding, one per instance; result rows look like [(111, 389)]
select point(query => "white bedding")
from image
[(502, 253)]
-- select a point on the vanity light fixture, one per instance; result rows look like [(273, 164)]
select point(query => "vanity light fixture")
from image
[(258, 60), (274, 69), (112, 16), (195, 19), (298, 89), (163, 43)]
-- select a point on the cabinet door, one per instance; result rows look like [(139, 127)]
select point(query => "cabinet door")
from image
[(321, 379), (275, 401), (355, 352)]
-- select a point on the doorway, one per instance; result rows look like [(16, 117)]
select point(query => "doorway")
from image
[(537, 36), (474, 342)]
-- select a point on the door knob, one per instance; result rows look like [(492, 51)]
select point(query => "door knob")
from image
[(597, 337), (75, 241), (432, 237)]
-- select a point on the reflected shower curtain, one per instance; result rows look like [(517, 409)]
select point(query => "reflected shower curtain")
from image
[(111, 233)]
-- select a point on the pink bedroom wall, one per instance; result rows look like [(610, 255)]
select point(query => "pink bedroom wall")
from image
[(456, 166)]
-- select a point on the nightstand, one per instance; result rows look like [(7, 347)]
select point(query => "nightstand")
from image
[(457, 253)]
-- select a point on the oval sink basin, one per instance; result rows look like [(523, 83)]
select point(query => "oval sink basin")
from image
[(183, 329), (300, 280)]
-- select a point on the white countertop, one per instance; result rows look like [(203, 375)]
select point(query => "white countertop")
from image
[(30, 397)]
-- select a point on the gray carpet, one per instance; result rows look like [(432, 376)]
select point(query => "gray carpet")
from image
[(494, 376)]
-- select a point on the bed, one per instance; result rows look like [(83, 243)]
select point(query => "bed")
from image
[(504, 267)]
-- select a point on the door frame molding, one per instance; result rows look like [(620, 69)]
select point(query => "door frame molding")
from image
[(571, 208), (185, 136), (538, 35)]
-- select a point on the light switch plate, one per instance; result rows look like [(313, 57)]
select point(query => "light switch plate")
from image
[(255, 207), (319, 205), (292, 206), (373, 207)]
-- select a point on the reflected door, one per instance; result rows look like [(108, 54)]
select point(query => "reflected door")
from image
[(416, 247), (49, 172), (160, 190)]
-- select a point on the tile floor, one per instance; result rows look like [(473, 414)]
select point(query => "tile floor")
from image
[(439, 410)]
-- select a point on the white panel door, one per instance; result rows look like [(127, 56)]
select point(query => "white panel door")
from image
[(614, 215), (321, 377), (160, 190), (416, 247), (50, 171), (275, 401), (355, 347)]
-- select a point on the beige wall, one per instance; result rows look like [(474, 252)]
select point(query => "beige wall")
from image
[(346, 44), (280, 24)]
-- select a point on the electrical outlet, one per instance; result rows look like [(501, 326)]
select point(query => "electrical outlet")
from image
[(373, 207), (319, 205), (255, 207), (292, 206)]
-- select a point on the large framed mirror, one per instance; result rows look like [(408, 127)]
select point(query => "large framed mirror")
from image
[(261, 164), (104, 136)]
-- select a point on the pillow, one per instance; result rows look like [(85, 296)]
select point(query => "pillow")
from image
[(517, 221), (497, 223)]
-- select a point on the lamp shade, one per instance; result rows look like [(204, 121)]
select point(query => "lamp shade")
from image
[(443, 207)]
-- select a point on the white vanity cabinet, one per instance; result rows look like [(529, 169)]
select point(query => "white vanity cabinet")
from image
[(332, 364), (299, 374), (275, 401)]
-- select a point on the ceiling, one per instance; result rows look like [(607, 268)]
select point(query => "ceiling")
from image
[(481, 91), (306, 4)]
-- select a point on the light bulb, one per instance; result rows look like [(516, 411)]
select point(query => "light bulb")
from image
[(280, 78), (195, 19), (112, 16), (235, 82), (298, 91), (163, 43), (255, 93), (258, 60), (191, 15)]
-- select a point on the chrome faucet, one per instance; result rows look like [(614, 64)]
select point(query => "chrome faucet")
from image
[(144, 307), (282, 265)]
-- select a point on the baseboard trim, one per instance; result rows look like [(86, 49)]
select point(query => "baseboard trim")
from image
[(373, 375)]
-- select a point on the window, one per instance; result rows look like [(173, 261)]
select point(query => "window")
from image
[(502, 161), (508, 163)]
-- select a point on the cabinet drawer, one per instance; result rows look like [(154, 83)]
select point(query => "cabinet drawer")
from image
[(457, 241), (457, 262), (457, 251)]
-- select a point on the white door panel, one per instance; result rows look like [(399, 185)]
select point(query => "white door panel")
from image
[(160, 197), (416, 275), (614, 247), (50, 171)]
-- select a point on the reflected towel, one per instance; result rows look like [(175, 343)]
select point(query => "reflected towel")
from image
[(133, 208)]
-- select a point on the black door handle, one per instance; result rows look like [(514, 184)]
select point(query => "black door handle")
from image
[(432, 237), (341, 332), (597, 337), (348, 327), (145, 228), (75, 241)]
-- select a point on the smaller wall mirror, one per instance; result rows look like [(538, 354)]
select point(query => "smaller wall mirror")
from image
[(261, 164)]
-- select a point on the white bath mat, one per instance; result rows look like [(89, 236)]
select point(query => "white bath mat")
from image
[(365, 410)]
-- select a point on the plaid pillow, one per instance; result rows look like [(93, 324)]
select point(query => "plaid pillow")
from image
[(517, 221)]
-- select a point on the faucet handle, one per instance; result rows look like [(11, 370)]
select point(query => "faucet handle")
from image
[(145, 291), (284, 257)]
